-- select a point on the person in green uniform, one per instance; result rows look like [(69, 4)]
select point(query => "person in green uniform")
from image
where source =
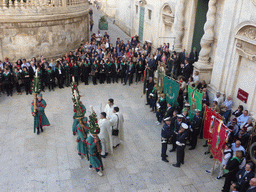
[(82, 132), (94, 148), (40, 119), (76, 122)]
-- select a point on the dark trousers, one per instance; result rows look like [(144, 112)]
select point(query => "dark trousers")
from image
[(76, 79), (50, 85), (86, 79), (138, 77), (67, 81), (129, 77), (164, 142), (8, 88), (1, 87), (180, 155), (115, 77), (159, 116), (153, 103), (194, 136), (91, 26), (27, 87), (147, 97), (228, 179), (18, 88), (122, 77), (94, 80), (174, 139), (102, 78), (60, 81), (108, 78)]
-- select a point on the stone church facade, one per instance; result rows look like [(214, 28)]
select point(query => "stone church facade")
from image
[(224, 32)]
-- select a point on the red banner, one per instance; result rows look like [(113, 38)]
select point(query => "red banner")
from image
[(219, 138), (207, 122)]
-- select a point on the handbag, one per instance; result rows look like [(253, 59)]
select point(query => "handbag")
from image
[(115, 131)]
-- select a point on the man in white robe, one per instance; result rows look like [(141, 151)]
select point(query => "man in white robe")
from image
[(105, 135), (109, 108), (116, 121)]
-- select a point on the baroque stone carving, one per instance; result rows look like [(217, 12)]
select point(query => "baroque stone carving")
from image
[(167, 15), (249, 32), (178, 24), (208, 36)]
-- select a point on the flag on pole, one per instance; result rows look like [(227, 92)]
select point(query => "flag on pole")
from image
[(219, 138), (171, 90)]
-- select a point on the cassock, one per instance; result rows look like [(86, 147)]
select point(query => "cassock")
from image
[(105, 136), (116, 122)]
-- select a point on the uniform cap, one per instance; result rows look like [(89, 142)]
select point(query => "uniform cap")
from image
[(40, 95), (184, 125), (180, 116), (187, 105), (167, 119), (197, 111)]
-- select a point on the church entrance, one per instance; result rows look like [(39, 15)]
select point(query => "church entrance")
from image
[(202, 8)]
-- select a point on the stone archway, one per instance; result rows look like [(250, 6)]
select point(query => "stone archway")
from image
[(166, 20)]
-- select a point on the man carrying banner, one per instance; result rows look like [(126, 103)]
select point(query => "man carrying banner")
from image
[(181, 143), (196, 124), (40, 118)]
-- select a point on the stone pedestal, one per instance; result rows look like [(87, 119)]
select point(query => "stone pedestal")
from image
[(205, 70)]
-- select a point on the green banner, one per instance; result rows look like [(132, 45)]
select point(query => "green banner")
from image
[(171, 90), (195, 98)]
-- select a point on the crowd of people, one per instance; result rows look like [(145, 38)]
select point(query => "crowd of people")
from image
[(105, 62), (179, 129)]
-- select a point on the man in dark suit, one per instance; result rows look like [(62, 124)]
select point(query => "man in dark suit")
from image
[(169, 111), (252, 187), (244, 176), (193, 56), (188, 70), (182, 56)]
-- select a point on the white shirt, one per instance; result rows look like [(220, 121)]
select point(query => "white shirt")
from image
[(233, 147), (226, 157), (196, 79)]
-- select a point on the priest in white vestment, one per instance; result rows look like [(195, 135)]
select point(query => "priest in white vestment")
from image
[(109, 108), (105, 135), (116, 121)]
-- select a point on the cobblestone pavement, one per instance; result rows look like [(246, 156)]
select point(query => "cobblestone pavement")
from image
[(49, 161)]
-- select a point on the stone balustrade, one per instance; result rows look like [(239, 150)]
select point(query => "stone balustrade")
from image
[(17, 4)]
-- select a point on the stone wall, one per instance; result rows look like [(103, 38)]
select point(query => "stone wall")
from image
[(49, 32)]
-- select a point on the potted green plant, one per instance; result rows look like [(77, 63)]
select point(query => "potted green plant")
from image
[(103, 24)]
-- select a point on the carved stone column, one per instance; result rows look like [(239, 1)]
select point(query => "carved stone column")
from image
[(178, 25), (203, 64)]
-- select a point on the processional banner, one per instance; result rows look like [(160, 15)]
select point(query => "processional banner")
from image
[(219, 138), (208, 114), (171, 90), (195, 98)]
